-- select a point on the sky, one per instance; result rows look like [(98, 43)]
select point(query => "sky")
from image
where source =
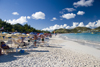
[(51, 14)]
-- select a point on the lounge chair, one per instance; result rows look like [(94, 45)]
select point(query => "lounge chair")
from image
[(6, 50)]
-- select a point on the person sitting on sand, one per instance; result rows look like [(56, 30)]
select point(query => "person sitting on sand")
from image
[(4, 46), (35, 38), (42, 37)]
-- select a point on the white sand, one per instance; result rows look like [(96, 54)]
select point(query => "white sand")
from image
[(62, 53)]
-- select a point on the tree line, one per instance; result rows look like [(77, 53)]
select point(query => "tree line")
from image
[(19, 28)]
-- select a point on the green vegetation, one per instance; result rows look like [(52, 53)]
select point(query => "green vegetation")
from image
[(20, 28), (97, 29), (75, 30)]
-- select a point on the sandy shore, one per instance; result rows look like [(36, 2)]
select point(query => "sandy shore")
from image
[(61, 53)]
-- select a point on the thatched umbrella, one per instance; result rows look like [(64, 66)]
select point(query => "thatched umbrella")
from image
[(22, 35), (12, 36)]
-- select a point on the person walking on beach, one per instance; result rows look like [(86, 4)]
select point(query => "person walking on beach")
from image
[(35, 38), (42, 37)]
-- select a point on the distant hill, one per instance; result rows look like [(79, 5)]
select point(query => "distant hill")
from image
[(75, 30), (97, 29), (61, 30)]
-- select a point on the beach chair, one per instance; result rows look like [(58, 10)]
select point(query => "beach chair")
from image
[(17, 43), (5, 51)]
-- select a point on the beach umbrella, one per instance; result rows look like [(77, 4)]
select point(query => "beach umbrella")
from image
[(41, 33), (14, 36), (29, 34), (22, 35), (17, 33), (33, 33), (3, 34), (8, 35)]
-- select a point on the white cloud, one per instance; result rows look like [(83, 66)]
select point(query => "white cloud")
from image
[(97, 23), (28, 17), (55, 27), (85, 3), (90, 24), (81, 24), (38, 15), (69, 9), (75, 24), (20, 20), (68, 27), (93, 24), (54, 18), (15, 13), (61, 12), (68, 15), (80, 12)]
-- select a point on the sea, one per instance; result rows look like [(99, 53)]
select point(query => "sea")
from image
[(88, 39)]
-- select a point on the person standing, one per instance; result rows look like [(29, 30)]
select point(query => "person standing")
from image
[(42, 37), (35, 38)]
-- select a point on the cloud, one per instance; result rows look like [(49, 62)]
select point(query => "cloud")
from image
[(61, 12), (54, 18), (91, 25), (56, 26), (75, 24), (15, 13), (70, 9), (81, 24), (85, 3), (38, 15), (28, 17), (20, 20), (68, 27), (68, 15), (80, 12)]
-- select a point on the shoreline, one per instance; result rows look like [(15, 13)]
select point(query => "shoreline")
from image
[(83, 42), (80, 47)]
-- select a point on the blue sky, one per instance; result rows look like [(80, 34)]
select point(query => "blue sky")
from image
[(51, 14)]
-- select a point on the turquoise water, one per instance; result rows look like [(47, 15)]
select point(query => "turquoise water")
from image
[(93, 38)]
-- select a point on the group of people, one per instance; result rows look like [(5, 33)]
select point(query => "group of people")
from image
[(38, 38), (34, 38)]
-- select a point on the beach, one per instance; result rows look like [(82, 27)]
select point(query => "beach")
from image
[(59, 53)]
